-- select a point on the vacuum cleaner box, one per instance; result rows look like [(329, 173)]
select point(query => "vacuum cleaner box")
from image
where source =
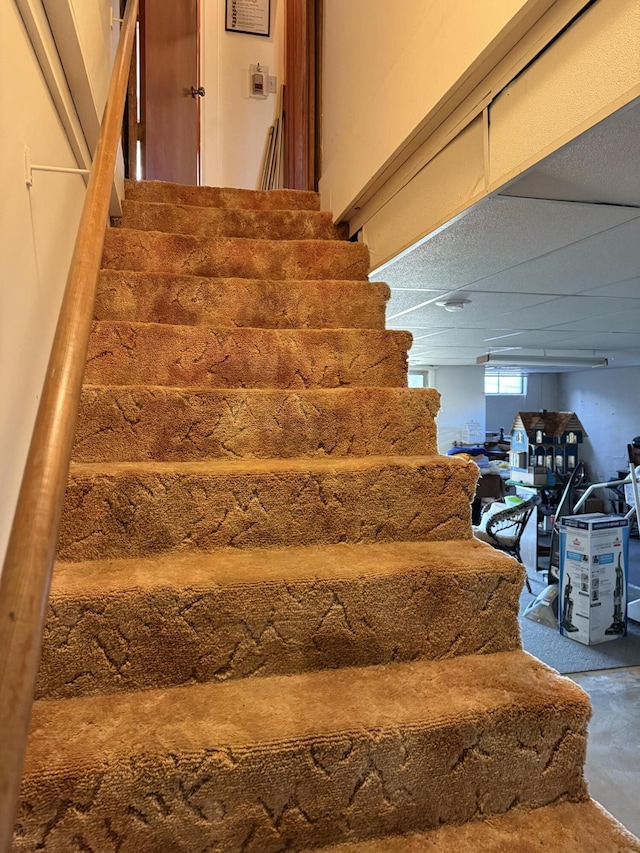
[(594, 555)]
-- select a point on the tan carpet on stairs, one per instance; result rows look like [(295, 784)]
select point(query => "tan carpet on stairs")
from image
[(269, 626)]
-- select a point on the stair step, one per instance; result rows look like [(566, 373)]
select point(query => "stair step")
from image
[(568, 827), (270, 764), (169, 620), (163, 191), (233, 257), (136, 423), (193, 300), (217, 222), (130, 509), (188, 356)]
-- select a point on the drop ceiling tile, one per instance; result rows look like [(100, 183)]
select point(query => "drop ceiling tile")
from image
[(428, 319), (480, 311), (446, 356), (621, 322), (615, 340), (455, 337), (537, 338), (427, 292), (447, 347), (629, 289), (478, 338), (611, 256), (402, 300), (424, 338), (561, 313), (497, 234), (578, 307), (601, 165)]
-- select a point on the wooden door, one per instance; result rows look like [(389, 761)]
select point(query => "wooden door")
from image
[(170, 114), (302, 93)]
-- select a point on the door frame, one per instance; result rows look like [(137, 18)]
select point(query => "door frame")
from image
[(303, 93)]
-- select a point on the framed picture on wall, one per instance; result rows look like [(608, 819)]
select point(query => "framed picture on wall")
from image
[(248, 16)]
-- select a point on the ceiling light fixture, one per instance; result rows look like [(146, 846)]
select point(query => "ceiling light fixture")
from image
[(452, 304), (540, 360)]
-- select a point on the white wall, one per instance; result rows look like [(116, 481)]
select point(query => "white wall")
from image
[(95, 36), (606, 401), (462, 401), (234, 125), (86, 43), (542, 393), (38, 225), (37, 231), (387, 66)]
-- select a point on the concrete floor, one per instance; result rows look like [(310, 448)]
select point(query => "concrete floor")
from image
[(613, 753)]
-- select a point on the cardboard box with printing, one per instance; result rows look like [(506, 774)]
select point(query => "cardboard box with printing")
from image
[(594, 555)]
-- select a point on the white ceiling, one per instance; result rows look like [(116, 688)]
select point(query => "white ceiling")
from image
[(550, 265)]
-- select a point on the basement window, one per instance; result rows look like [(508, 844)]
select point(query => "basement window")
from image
[(419, 379), (497, 382)]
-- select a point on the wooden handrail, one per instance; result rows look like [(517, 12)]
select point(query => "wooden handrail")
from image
[(26, 576)]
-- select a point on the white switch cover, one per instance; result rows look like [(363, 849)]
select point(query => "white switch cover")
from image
[(273, 84)]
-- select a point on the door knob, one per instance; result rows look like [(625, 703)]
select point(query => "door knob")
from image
[(197, 93)]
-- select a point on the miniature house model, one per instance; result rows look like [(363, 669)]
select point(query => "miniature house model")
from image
[(544, 444)]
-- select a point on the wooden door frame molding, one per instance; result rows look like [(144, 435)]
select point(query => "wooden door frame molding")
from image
[(130, 118), (302, 93)]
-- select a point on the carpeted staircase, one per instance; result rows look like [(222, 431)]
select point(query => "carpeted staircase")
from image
[(269, 626)]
